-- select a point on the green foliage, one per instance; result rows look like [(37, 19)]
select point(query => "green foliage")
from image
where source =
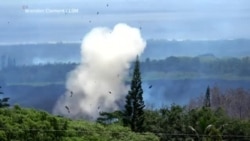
[(110, 118), (112, 132), (239, 130), (29, 125), (152, 120), (173, 118), (206, 124), (134, 113), (167, 123)]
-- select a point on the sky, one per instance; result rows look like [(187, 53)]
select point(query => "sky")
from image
[(70, 20)]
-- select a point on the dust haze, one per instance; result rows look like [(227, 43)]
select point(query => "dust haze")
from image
[(98, 83)]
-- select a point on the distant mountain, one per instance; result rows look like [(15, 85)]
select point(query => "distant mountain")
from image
[(207, 55), (156, 49), (159, 49)]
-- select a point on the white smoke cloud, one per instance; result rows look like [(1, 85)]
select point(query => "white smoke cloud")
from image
[(98, 83)]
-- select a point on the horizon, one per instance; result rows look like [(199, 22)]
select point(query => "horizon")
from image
[(79, 42)]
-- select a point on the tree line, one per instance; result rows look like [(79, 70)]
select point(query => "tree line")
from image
[(207, 65)]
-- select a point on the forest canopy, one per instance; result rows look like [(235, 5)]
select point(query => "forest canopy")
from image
[(205, 66)]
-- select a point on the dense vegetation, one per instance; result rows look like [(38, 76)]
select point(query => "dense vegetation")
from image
[(204, 122), (178, 123), (168, 123), (226, 118), (205, 119), (32, 125)]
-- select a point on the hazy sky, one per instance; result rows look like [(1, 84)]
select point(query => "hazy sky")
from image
[(161, 19)]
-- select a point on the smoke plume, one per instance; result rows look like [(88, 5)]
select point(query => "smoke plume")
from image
[(98, 83)]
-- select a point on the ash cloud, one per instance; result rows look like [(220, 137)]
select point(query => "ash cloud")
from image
[(98, 83)]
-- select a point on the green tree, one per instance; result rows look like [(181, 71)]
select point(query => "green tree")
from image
[(172, 122), (207, 102), (134, 114), (109, 118), (4, 101), (206, 123)]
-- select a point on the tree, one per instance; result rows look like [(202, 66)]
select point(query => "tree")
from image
[(207, 102), (109, 118), (4, 101), (206, 124), (133, 113)]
